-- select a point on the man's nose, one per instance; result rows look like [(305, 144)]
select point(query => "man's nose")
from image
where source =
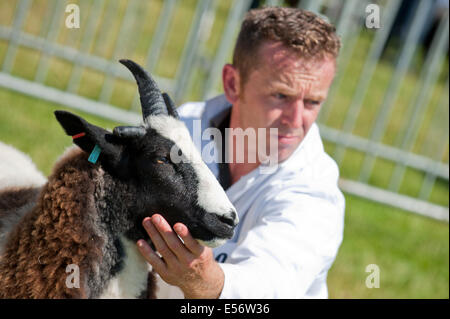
[(293, 115)]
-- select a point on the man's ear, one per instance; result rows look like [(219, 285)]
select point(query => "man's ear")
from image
[(88, 136), (231, 83)]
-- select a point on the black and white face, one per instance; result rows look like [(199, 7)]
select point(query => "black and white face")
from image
[(160, 160), (181, 190)]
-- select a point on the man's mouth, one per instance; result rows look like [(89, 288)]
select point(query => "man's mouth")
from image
[(288, 139)]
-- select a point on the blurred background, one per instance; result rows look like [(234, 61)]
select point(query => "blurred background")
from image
[(386, 121)]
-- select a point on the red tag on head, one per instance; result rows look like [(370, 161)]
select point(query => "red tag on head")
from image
[(78, 135)]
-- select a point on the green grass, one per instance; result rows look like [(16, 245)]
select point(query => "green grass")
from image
[(412, 253)]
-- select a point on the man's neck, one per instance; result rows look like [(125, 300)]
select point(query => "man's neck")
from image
[(237, 170)]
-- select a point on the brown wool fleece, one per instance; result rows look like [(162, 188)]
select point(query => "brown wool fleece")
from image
[(59, 231)]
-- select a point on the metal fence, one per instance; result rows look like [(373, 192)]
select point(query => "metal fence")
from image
[(387, 110)]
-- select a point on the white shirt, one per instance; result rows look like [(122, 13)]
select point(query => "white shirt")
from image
[(290, 222)]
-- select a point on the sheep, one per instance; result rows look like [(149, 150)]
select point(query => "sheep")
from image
[(28, 182), (11, 161), (88, 215)]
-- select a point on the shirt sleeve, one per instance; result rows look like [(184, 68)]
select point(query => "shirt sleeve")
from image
[(292, 244)]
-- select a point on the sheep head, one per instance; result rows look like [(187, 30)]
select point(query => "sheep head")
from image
[(159, 158)]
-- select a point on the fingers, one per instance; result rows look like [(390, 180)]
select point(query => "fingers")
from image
[(152, 258), (188, 240), (170, 244), (158, 240)]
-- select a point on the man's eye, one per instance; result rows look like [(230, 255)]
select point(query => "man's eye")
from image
[(280, 96), (312, 102)]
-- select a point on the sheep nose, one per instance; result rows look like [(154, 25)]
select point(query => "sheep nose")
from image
[(230, 218)]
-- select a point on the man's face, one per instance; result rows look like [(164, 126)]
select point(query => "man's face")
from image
[(283, 92)]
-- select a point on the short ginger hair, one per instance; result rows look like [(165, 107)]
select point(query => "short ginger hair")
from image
[(300, 30)]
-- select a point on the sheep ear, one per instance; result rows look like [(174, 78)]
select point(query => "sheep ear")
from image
[(89, 137)]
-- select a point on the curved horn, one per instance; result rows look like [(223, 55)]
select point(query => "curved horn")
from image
[(152, 101)]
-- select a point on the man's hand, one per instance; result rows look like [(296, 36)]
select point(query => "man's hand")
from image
[(189, 266)]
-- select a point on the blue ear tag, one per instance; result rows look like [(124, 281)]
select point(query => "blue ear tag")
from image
[(94, 154)]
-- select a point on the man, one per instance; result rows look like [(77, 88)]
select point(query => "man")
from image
[(291, 220)]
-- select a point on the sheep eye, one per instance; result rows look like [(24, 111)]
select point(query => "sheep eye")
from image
[(162, 160)]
